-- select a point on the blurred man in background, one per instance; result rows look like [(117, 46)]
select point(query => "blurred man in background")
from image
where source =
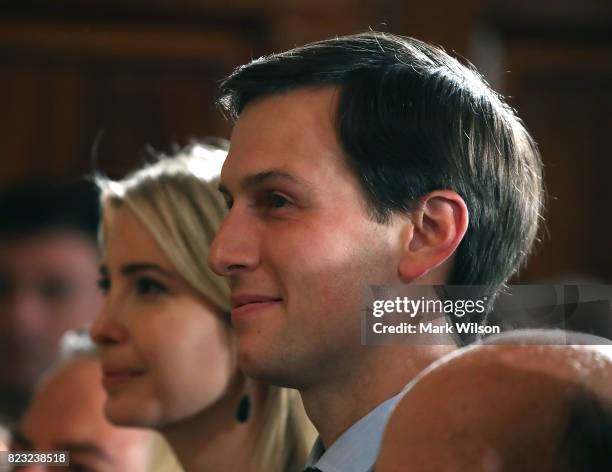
[(48, 276), (67, 414), (536, 406)]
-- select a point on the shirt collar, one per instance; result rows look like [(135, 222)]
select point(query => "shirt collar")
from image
[(357, 448)]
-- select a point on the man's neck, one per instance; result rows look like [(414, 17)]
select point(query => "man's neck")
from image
[(334, 405)]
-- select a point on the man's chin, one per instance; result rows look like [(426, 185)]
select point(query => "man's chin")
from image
[(268, 370)]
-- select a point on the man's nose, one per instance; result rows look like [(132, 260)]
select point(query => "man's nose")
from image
[(235, 248)]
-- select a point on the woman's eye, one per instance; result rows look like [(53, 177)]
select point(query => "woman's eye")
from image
[(104, 284), (147, 286)]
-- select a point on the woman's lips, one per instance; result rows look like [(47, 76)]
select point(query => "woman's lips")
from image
[(112, 378)]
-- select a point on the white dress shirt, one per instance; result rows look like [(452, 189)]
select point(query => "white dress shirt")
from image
[(356, 450)]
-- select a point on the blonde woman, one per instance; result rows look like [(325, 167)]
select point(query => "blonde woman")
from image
[(167, 349)]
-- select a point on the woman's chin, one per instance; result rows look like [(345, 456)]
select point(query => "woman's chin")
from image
[(130, 415)]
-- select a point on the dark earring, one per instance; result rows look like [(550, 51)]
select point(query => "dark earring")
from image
[(244, 409)]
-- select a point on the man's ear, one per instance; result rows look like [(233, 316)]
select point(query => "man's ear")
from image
[(436, 228)]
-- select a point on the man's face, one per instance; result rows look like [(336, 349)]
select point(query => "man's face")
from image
[(48, 284), (298, 245), (67, 414)]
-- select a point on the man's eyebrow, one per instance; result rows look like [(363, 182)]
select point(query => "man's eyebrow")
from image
[(85, 448), (19, 437), (252, 181), (134, 268)]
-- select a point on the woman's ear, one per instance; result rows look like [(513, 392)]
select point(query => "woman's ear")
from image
[(434, 232)]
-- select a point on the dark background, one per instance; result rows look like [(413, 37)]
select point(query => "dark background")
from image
[(80, 79)]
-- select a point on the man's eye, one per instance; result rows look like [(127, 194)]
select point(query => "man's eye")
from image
[(148, 286), (276, 200), (80, 468), (105, 284), (18, 445), (55, 290), (6, 287)]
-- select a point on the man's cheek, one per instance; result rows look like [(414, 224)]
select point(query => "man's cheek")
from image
[(340, 300)]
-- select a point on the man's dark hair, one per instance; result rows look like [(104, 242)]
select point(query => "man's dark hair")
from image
[(411, 119), (30, 208)]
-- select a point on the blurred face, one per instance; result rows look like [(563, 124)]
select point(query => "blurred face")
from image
[(67, 414), (47, 286), (166, 354), (298, 245), (492, 409)]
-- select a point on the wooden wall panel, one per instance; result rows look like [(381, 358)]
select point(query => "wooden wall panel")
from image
[(66, 85), (560, 86)]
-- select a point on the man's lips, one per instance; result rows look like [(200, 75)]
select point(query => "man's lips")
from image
[(248, 304)]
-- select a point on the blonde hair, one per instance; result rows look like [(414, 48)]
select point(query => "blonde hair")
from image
[(177, 199)]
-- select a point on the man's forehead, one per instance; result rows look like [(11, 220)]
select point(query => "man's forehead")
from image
[(51, 237), (48, 264), (56, 250), (319, 100), (249, 172), (291, 133)]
